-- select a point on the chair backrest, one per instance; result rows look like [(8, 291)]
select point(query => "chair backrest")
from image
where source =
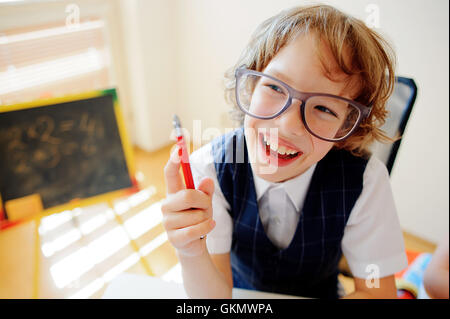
[(399, 106)]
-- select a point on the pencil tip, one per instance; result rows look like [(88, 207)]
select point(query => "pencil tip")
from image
[(176, 121)]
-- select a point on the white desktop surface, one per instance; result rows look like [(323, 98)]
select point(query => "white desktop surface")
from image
[(131, 286)]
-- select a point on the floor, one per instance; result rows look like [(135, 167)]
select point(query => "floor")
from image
[(75, 254)]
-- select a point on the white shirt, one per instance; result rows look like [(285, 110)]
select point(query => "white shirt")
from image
[(372, 243), (280, 204)]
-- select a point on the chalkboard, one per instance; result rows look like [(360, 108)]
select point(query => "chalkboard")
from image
[(63, 151)]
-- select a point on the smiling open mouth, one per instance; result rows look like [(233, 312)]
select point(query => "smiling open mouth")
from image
[(280, 152)]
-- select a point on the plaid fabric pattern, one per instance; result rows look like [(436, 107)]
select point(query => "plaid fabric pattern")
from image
[(308, 267)]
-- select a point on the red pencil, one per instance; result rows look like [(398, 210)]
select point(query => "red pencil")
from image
[(183, 153), (184, 156)]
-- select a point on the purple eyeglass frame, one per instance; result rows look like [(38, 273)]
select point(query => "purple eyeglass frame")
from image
[(364, 111)]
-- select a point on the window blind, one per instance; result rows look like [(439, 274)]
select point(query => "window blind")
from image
[(53, 60)]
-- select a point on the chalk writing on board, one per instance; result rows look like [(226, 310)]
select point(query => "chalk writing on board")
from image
[(64, 151), (51, 148)]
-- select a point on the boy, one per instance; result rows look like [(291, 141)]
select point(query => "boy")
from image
[(294, 188)]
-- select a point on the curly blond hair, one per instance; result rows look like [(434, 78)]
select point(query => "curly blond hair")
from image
[(358, 50)]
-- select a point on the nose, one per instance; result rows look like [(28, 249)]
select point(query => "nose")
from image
[(290, 120)]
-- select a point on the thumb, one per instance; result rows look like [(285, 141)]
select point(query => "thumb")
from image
[(172, 174), (206, 186)]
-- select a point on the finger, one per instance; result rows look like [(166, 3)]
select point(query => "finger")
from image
[(172, 174), (186, 199), (182, 237), (206, 186), (176, 220)]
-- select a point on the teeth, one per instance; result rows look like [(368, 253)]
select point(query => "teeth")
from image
[(281, 149)]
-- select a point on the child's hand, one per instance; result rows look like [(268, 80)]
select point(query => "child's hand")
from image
[(187, 213)]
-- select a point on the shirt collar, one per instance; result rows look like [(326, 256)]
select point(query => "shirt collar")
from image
[(296, 187)]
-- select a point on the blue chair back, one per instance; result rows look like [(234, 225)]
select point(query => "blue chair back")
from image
[(399, 105)]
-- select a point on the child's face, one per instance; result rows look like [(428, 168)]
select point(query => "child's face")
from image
[(298, 65)]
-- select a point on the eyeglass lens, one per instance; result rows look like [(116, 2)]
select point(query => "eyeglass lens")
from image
[(326, 117)]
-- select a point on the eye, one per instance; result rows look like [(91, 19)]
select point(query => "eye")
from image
[(324, 109), (275, 88)]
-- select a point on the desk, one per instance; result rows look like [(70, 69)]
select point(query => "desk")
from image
[(130, 286)]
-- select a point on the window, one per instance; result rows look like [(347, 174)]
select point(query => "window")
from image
[(53, 60)]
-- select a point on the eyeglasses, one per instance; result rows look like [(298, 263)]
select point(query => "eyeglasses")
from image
[(328, 117)]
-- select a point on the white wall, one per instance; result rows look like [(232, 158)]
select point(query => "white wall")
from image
[(420, 177), (150, 42)]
